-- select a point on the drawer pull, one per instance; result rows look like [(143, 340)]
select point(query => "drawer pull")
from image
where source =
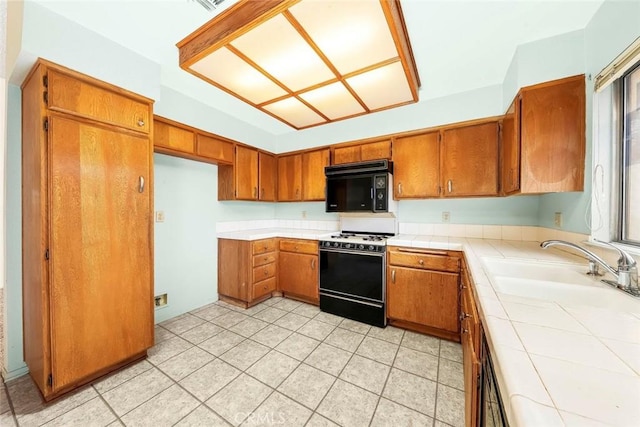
[(421, 262), (464, 316), (140, 122), (422, 252), (465, 331)]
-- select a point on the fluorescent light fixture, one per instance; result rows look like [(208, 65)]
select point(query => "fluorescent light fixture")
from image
[(307, 62)]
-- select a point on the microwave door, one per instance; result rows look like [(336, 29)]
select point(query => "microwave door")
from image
[(349, 194)]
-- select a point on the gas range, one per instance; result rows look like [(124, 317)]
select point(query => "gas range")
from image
[(362, 242)]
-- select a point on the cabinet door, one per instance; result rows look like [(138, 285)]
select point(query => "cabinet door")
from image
[(289, 178), (425, 297), (267, 176), (215, 149), (173, 137), (416, 166), (375, 150), (100, 248), (313, 179), (298, 274), (552, 130), (246, 168), (234, 258), (348, 154), (510, 166), (471, 367), (470, 160)]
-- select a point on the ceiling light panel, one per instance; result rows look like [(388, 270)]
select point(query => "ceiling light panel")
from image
[(357, 37), (382, 87), (228, 70), (278, 48), (295, 113), (334, 101), (307, 62)]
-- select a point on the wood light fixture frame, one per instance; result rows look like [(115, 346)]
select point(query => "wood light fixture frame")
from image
[(306, 103)]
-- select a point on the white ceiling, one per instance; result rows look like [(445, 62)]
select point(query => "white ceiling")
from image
[(458, 45)]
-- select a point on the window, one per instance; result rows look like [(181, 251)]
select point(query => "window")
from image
[(629, 226)]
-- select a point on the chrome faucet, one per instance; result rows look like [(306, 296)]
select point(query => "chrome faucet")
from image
[(626, 275)]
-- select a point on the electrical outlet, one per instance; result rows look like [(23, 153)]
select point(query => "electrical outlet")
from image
[(304, 214), (159, 216), (446, 216), (160, 300), (557, 219)]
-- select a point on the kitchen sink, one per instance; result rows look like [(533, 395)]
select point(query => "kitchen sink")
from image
[(562, 283)]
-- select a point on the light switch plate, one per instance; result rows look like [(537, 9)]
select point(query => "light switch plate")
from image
[(557, 220), (159, 216)]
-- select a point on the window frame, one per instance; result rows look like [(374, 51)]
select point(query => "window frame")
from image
[(623, 148)]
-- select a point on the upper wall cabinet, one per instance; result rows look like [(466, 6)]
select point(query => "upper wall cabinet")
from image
[(301, 176), (290, 178), (267, 176), (510, 155), (362, 152), (470, 160), (313, 179), (246, 173), (176, 139), (550, 119), (416, 164)]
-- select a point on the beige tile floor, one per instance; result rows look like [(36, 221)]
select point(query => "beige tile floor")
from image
[(279, 363)]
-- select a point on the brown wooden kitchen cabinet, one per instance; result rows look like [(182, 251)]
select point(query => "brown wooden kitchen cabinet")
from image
[(298, 268), (362, 152), (246, 270), (169, 137), (313, 179), (551, 118), (470, 335), (214, 150), (416, 166), (87, 210), (301, 176), (423, 291), (470, 160), (290, 178), (246, 173), (267, 176), (510, 150)]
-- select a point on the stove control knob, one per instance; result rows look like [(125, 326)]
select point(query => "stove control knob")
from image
[(347, 245), (372, 248), (336, 244), (361, 247)]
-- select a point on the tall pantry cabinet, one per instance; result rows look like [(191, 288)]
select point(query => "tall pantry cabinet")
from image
[(87, 158)]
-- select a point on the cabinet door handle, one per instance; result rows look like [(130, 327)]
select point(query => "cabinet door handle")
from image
[(140, 122), (399, 188), (450, 186), (262, 193), (313, 264), (393, 276), (255, 192), (141, 184), (371, 193)]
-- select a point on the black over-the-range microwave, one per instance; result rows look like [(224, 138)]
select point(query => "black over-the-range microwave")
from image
[(359, 187)]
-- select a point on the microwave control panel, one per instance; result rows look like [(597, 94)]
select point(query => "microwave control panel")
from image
[(380, 193)]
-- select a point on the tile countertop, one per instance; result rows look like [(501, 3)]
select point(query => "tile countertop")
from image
[(558, 361)]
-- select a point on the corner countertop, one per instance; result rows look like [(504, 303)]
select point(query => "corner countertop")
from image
[(559, 362)]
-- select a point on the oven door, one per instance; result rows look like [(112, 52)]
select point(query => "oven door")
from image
[(353, 274)]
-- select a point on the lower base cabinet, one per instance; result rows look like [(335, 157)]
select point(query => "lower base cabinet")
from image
[(470, 333), (298, 275), (423, 291), (246, 270)]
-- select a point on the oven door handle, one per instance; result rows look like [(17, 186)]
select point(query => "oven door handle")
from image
[(352, 300)]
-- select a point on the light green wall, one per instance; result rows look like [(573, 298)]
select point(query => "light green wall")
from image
[(186, 249), (15, 363), (614, 27)]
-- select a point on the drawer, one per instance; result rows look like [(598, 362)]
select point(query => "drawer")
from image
[(71, 95), (426, 261), (263, 246), (264, 287), (215, 149), (173, 137), (264, 272), (299, 246), (263, 259)]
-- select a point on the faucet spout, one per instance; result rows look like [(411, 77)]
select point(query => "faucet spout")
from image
[(593, 257)]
